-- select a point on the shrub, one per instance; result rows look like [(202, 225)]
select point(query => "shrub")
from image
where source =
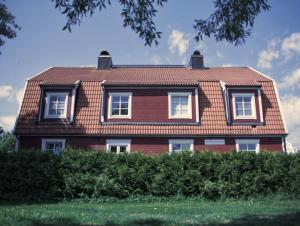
[(90, 174)]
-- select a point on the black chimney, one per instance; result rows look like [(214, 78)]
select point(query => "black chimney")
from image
[(197, 61), (104, 61)]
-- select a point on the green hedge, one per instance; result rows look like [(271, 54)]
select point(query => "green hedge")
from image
[(32, 175)]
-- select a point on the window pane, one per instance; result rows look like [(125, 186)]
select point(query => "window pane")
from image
[(113, 149), (61, 98), (239, 113), (239, 106), (243, 147), (186, 147), (247, 105), (251, 147), (52, 112), (124, 98), (124, 105), (53, 99), (184, 112), (176, 147), (247, 99), (116, 99), (49, 146), (123, 149), (238, 99), (60, 111), (124, 111), (61, 105), (184, 100), (248, 112), (52, 106), (175, 109), (175, 100), (115, 111), (115, 105)]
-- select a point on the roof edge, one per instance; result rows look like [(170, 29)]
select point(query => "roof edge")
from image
[(32, 77)]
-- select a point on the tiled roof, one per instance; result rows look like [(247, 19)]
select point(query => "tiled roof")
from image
[(212, 112)]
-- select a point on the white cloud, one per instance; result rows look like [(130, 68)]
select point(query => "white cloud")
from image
[(6, 91), (291, 111), (268, 55), (178, 42), (228, 65), (7, 122), (19, 96), (292, 80), (291, 44), (156, 59)]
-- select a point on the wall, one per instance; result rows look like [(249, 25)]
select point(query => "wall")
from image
[(151, 145), (150, 105)]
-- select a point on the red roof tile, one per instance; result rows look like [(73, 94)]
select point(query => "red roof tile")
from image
[(212, 117)]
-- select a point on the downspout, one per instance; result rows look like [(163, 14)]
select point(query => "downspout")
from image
[(102, 101)]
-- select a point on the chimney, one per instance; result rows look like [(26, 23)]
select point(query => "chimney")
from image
[(197, 61), (104, 61)]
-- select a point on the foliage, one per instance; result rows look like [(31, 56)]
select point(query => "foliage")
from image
[(92, 174), (232, 20), (8, 26), (7, 141)]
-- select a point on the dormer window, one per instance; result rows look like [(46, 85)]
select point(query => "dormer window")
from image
[(56, 105), (244, 106), (180, 105), (119, 105)]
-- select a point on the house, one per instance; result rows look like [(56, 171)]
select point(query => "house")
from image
[(151, 109)]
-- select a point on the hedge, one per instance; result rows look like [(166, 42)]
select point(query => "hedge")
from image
[(33, 175)]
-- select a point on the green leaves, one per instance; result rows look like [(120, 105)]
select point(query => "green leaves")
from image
[(89, 174), (232, 21)]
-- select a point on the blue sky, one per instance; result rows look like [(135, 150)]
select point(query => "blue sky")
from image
[(273, 48)]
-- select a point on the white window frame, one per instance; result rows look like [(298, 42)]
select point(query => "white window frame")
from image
[(181, 141), (110, 95), (48, 96), (180, 94), (253, 106), (214, 141), (45, 141), (247, 141), (118, 142)]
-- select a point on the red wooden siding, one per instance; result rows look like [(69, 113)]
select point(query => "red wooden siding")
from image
[(151, 145), (150, 105)]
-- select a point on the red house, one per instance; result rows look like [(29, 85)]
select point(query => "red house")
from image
[(151, 109)]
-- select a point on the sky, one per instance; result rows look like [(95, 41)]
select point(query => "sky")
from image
[(273, 48)]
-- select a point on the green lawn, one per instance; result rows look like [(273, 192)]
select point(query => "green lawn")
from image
[(181, 212)]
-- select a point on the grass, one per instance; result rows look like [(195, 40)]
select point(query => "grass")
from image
[(186, 212)]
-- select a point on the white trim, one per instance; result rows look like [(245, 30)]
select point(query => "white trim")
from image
[(48, 96), (118, 142), (248, 141), (74, 92), (31, 77), (110, 95), (189, 95), (260, 106), (253, 107), (181, 141), (44, 141), (20, 106), (102, 102), (277, 97), (197, 104), (214, 141)]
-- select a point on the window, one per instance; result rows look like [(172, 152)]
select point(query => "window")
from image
[(119, 105), (56, 105), (247, 145), (180, 105), (244, 106), (54, 145), (176, 146), (118, 146), (214, 141)]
